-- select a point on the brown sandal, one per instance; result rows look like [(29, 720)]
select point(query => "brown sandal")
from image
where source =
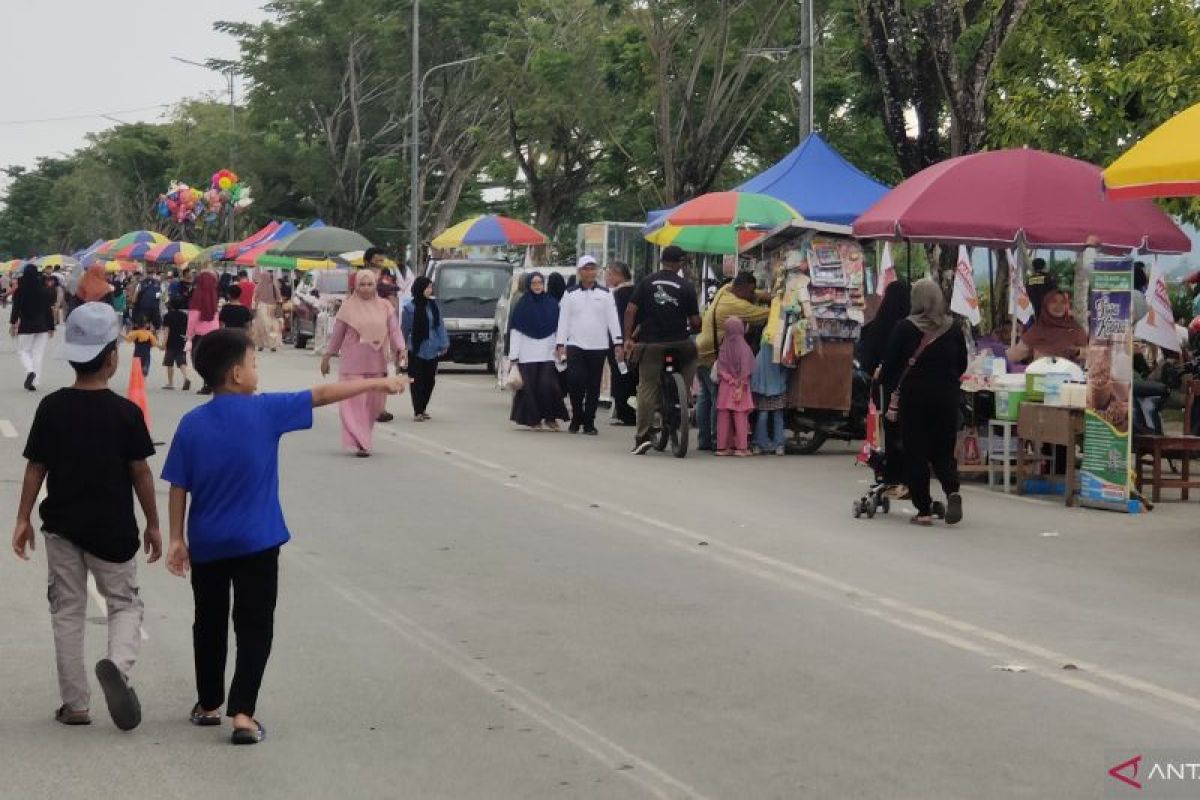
[(924, 522), (68, 717)]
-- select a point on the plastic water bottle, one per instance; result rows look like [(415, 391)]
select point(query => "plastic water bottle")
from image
[(623, 367)]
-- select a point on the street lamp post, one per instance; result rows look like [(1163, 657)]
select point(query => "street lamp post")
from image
[(805, 49), (418, 91)]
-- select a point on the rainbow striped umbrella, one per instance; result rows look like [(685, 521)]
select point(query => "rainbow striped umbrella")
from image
[(12, 265), (490, 231), (172, 253), (117, 265), (743, 209), (1166, 163), (113, 248), (716, 239), (57, 260)]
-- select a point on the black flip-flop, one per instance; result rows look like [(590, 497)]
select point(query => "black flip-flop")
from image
[(954, 510), (204, 720), (248, 735), (68, 717), (123, 703)]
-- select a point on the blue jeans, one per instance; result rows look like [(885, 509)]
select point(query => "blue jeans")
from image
[(763, 440), (706, 409)]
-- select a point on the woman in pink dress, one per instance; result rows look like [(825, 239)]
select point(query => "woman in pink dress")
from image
[(202, 314), (364, 330), (735, 368)]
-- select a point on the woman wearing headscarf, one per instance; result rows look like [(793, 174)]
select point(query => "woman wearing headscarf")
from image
[(365, 332), (266, 300), (538, 402), (924, 360), (202, 314), (1054, 333), (32, 321), (94, 286), (556, 286), (427, 340), (895, 306)]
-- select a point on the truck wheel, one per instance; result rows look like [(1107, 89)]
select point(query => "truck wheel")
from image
[(493, 364)]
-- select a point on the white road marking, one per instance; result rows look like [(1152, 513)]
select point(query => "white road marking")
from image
[(650, 777), (925, 622), (7, 430)]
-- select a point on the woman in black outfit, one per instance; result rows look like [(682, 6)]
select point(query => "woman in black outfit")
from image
[(929, 396), (32, 322), (895, 306)]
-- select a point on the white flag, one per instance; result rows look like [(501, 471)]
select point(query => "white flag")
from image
[(1158, 326), (965, 300), (887, 270), (1019, 304)]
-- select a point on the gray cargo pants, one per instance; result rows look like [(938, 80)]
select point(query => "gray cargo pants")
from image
[(68, 594)]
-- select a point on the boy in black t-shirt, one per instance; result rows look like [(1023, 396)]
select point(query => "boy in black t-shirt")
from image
[(175, 343), (90, 447), (233, 314)]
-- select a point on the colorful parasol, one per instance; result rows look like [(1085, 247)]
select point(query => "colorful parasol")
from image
[(172, 253), (715, 239), (58, 260), (264, 234), (273, 261), (490, 231), (355, 259), (118, 265), (116, 246), (12, 265), (742, 209), (1166, 163)]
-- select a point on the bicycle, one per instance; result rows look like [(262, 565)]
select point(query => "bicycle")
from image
[(673, 418)]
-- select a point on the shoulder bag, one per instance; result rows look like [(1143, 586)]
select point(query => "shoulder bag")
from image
[(893, 410)]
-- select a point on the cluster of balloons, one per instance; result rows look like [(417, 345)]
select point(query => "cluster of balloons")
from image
[(185, 204)]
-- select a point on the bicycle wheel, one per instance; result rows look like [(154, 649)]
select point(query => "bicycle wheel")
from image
[(680, 430), (661, 435)]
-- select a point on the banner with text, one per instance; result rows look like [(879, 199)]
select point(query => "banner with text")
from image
[(1104, 479)]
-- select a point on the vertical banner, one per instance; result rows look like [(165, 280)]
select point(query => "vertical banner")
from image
[(1019, 304), (887, 270), (1104, 479), (965, 299)]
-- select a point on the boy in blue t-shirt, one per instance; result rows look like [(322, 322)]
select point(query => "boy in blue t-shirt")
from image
[(225, 454)]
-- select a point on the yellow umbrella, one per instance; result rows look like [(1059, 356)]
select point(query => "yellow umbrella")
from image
[(1166, 163)]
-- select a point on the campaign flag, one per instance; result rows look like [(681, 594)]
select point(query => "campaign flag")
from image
[(887, 270), (1019, 304), (1158, 326), (965, 299)]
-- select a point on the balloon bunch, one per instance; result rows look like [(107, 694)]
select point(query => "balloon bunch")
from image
[(181, 203), (226, 191)]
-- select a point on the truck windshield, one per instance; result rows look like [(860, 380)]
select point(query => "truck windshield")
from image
[(471, 290)]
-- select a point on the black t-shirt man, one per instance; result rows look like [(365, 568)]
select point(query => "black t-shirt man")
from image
[(235, 315), (87, 440), (665, 302), (175, 322)]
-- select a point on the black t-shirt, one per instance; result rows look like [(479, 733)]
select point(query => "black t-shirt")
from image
[(665, 302), (235, 315), (175, 322), (87, 441)]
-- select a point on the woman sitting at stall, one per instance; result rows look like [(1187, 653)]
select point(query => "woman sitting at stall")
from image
[(1054, 333)]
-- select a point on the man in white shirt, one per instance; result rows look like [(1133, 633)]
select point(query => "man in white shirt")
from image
[(587, 321)]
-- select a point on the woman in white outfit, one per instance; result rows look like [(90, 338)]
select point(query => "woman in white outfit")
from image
[(32, 322), (538, 404), (267, 298)]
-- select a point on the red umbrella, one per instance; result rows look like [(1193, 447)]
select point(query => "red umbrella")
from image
[(989, 199)]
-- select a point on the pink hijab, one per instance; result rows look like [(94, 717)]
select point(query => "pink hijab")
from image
[(736, 359)]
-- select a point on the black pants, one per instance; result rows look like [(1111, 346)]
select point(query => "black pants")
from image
[(623, 388), (585, 370), (255, 583), (423, 373), (929, 432)]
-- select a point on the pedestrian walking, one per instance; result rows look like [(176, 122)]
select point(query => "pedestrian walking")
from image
[(663, 310), (148, 304), (587, 322), (365, 333), (531, 348), (32, 323), (623, 381), (427, 340), (769, 388), (266, 305), (244, 283), (175, 324), (733, 371), (144, 341), (233, 314), (735, 299), (895, 306), (925, 359), (202, 315), (89, 446), (235, 526), (389, 290), (94, 286)]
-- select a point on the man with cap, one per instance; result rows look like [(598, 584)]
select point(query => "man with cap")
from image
[(587, 319), (1039, 284), (90, 445), (663, 312)]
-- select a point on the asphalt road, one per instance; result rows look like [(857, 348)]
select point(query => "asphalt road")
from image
[(481, 612)]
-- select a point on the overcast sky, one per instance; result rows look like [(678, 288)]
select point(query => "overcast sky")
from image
[(83, 58)]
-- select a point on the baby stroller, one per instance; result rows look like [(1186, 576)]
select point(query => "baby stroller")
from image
[(877, 498)]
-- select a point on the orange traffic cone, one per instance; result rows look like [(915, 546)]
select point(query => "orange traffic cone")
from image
[(137, 390)]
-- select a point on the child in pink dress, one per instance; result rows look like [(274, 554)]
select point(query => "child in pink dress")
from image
[(734, 367)]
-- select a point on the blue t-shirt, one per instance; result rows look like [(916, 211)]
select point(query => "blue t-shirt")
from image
[(226, 455)]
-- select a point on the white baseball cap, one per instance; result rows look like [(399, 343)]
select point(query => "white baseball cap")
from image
[(90, 328), (585, 261)]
